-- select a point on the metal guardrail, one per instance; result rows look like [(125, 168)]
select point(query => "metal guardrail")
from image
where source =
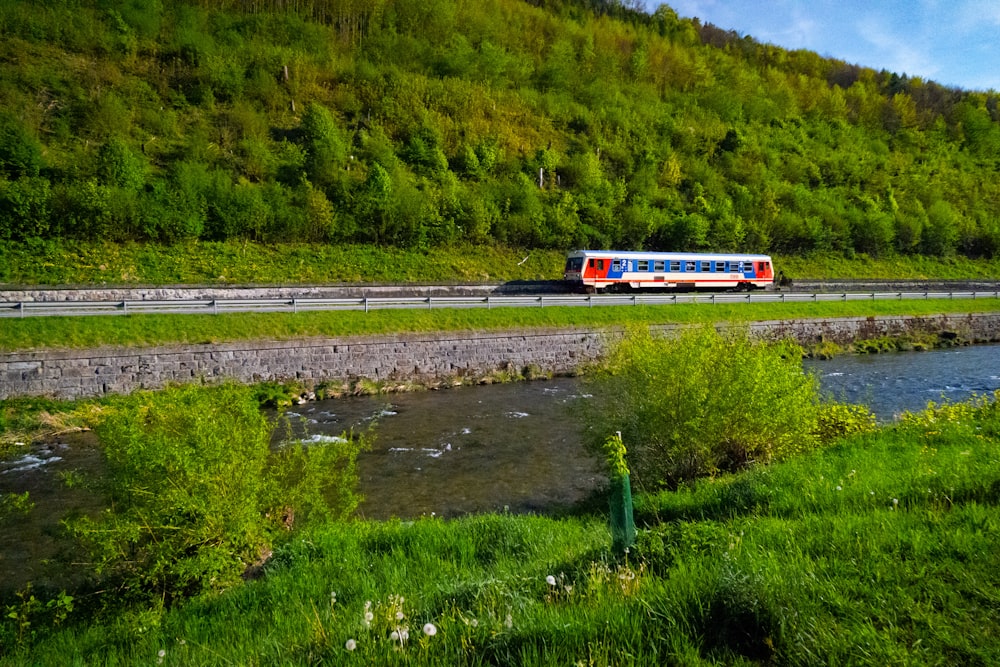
[(215, 306)]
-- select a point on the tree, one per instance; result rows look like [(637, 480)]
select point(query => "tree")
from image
[(702, 402), (20, 151), (197, 494), (119, 166), (325, 145)]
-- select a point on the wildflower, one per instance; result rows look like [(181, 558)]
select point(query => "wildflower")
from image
[(394, 635), (160, 655), (550, 580), (430, 630), (399, 616), (368, 619), (333, 598), (840, 488), (351, 645)]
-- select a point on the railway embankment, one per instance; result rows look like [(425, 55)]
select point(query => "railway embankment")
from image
[(444, 357)]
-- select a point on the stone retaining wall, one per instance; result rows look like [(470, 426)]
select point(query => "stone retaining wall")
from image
[(418, 357)]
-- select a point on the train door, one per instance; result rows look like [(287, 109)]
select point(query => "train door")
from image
[(597, 268)]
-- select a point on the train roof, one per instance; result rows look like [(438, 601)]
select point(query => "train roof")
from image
[(638, 254)]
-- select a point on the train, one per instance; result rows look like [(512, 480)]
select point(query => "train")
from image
[(594, 271)]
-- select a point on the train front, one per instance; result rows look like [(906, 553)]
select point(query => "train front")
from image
[(573, 271)]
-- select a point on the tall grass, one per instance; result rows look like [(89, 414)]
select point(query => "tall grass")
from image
[(877, 550)]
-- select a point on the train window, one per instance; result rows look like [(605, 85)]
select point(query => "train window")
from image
[(706, 266), (600, 265), (642, 265), (720, 266), (616, 265), (659, 266), (675, 266), (689, 266), (590, 263)]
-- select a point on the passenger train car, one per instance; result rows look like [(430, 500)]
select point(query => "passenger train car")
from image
[(614, 270)]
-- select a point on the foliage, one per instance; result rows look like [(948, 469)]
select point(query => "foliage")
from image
[(544, 124), (774, 564), (196, 495), (839, 420), (614, 453), (704, 402)]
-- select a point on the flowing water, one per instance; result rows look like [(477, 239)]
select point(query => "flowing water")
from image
[(892, 383), (514, 447)]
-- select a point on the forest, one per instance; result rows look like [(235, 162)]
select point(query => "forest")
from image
[(425, 123)]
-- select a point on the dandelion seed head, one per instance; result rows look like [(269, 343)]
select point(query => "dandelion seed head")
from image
[(351, 645), (400, 615), (550, 580), (430, 630)]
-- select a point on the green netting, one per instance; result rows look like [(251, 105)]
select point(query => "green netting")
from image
[(622, 522)]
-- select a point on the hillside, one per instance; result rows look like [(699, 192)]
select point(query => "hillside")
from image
[(423, 123)]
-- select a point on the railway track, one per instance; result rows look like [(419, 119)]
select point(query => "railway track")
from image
[(178, 300)]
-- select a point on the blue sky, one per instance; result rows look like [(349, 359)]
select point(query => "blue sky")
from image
[(951, 42)]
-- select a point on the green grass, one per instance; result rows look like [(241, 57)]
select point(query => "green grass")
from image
[(67, 262), (82, 332), (88, 263), (878, 550)]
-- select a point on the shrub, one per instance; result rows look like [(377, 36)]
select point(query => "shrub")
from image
[(197, 496), (836, 420), (703, 403)]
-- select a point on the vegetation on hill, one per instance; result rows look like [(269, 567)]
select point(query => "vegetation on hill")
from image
[(421, 123)]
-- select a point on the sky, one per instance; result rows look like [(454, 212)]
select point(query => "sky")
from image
[(951, 42)]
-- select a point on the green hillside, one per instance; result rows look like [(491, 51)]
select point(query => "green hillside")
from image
[(422, 123)]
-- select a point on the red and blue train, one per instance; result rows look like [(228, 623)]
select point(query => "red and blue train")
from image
[(595, 271)]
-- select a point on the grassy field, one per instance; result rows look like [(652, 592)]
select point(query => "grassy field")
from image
[(80, 263), (878, 550), (79, 332)]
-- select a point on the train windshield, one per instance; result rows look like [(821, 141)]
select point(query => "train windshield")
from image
[(574, 264)]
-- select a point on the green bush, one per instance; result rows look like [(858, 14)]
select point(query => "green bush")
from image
[(197, 495), (703, 403)]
